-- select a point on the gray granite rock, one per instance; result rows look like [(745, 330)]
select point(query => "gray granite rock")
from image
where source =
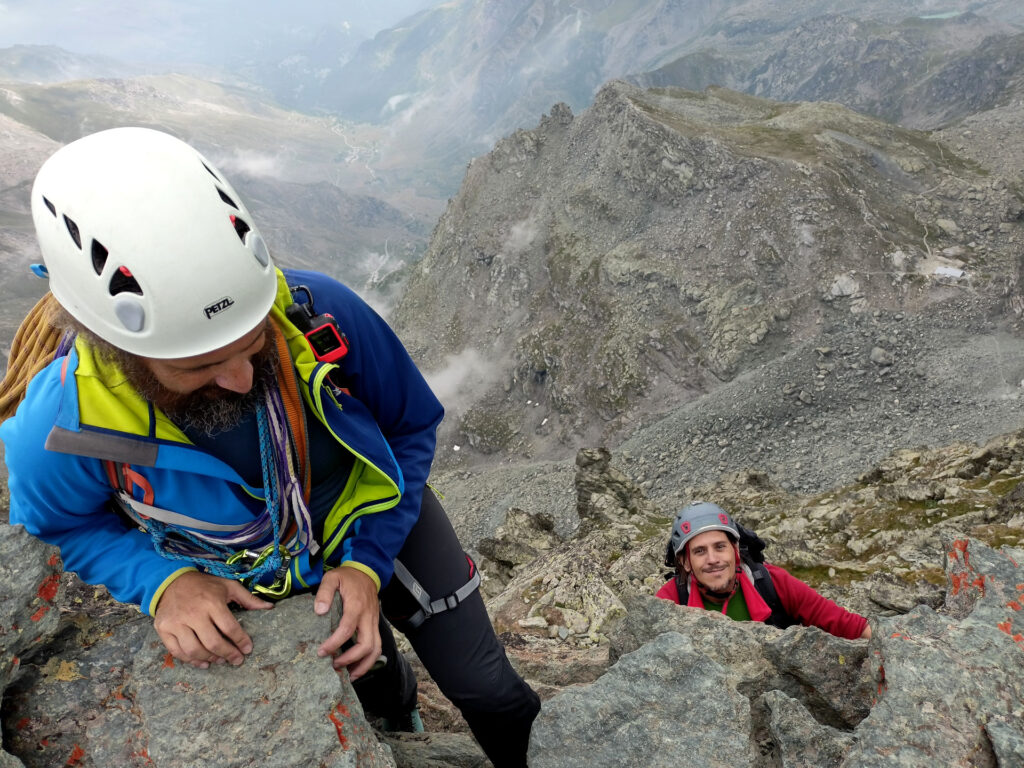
[(797, 739), (436, 750), (29, 593), (950, 690), (125, 702), (655, 705), (827, 673)]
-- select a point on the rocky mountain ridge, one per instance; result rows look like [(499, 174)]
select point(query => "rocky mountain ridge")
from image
[(900, 61), (617, 265), (927, 544)]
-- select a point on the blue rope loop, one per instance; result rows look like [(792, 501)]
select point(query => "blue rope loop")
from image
[(173, 543)]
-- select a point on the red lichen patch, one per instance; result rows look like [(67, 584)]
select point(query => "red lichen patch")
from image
[(76, 756), (1004, 626), (335, 717), (961, 581), (958, 580), (48, 589), (22, 724), (38, 615), (168, 661), (54, 561), (1014, 605), (895, 635), (881, 679)]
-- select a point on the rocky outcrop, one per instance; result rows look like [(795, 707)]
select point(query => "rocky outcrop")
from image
[(919, 545), (616, 265), (930, 688), (107, 693)]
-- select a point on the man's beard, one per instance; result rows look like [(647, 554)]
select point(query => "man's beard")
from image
[(211, 409)]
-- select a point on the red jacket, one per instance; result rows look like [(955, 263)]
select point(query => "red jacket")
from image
[(800, 601)]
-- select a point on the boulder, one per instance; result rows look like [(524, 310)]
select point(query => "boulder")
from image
[(655, 705), (124, 701), (30, 590)]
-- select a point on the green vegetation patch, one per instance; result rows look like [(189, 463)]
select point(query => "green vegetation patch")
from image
[(999, 535), (820, 574)]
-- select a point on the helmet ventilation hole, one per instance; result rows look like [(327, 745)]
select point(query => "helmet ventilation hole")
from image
[(52, 208), (210, 171), (124, 282), (99, 257), (73, 231), (240, 227), (226, 199)]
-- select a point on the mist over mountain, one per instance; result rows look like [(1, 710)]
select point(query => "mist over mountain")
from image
[(214, 33), (764, 253), (496, 67), (304, 177)]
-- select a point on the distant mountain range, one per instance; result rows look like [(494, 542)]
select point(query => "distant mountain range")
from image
[(452, 80)]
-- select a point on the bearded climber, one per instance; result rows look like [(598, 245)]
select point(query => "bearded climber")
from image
[(712, 574), (214, 430)]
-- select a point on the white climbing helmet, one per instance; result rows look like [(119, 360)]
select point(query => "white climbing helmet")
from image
[(148, 246)]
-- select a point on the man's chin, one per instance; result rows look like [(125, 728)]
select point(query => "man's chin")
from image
[(718, 584)]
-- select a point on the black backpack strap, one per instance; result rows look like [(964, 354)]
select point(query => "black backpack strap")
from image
[(764, 586), (682, 587)]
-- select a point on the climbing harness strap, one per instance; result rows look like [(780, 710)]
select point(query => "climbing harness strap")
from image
[(430, 607)]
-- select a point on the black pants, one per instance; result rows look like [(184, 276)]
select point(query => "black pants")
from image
[(458, 647)]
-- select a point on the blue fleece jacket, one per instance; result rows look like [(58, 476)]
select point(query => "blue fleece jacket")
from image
[(60, 491)]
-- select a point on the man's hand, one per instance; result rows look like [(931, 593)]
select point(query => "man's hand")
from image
[(195, 623), (359, 615)]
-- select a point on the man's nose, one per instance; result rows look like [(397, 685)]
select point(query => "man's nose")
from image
[(235, 375)]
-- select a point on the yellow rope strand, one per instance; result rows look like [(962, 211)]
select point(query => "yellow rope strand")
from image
[(31, 351)]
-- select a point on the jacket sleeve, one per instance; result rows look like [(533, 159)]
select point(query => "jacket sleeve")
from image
[(63, 500), (380, 373), (814, 610)]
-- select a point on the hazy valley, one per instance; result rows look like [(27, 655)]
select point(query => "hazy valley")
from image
[(649, 251)]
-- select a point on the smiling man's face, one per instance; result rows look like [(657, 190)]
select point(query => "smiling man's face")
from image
[(711, 557)]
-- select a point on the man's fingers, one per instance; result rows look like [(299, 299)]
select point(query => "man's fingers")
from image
[(326, 592), (224, 637), (243, 597), (227, 625), (192, 649), (359, 659), (344, 631)]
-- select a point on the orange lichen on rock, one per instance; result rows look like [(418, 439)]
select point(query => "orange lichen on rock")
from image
[(48, 589), (336, 716)]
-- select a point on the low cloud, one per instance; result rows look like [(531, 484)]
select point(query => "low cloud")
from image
[(251, 163), (521, 236), (464, 377)]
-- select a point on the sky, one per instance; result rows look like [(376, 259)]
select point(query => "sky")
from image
[(210, 32)]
